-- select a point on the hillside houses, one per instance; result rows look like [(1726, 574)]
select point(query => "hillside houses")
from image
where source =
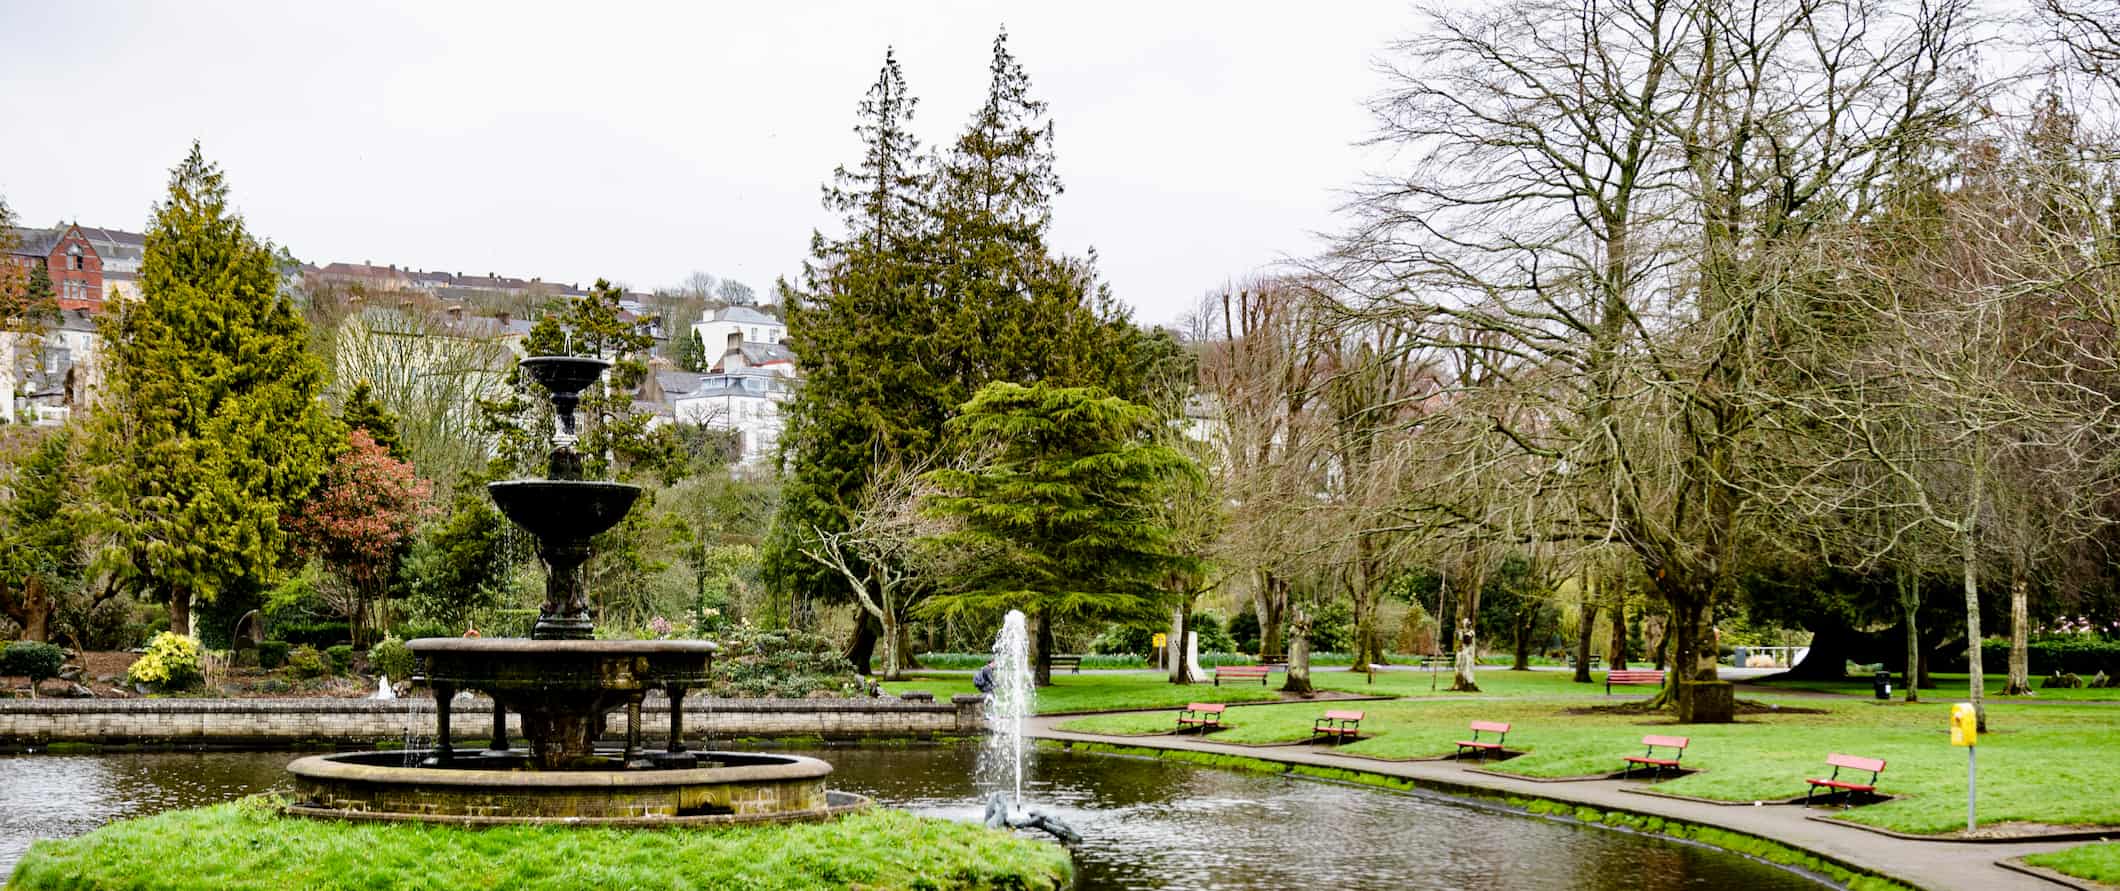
[(753, 374), (45, 376)]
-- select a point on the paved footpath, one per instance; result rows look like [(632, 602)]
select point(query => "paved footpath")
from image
[(1924, 864)]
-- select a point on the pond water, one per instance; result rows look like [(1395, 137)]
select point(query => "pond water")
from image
[(1146, 824)]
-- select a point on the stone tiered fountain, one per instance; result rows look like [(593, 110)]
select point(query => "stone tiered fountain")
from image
[(563, 684)]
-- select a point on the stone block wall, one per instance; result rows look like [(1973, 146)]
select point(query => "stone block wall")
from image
[(281, 723)]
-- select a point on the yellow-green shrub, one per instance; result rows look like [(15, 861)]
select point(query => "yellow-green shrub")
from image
[(170, 663)]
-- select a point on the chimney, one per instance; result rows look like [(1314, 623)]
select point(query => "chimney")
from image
[(735, 340)]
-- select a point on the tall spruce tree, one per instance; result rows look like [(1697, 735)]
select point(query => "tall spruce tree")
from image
[(940, 283), (863, 327), (210, 426), (1065, 515)]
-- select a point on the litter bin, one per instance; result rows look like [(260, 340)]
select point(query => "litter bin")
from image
[(1881, 684)]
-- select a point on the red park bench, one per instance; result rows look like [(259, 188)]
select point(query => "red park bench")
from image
[(1484, 746), (1241, 672), (1203, 715), (1648, 757), (1852, 762), (1640, 677), (1337, 726)]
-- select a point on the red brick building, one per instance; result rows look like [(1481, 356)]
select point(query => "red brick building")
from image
[(85, 263)]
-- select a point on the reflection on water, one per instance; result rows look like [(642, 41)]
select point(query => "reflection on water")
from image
[(1146, 824), (1158, 824), (56, 796)]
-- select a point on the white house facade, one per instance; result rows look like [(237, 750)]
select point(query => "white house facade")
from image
[(743, 323)]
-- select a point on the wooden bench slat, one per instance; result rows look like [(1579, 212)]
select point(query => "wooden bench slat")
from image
[(1343, 716), (1674, 742), (1873, 765), (1490, 726)]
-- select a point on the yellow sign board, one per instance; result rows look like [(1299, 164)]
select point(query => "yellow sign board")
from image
[(1159, 639), (1965, 725)]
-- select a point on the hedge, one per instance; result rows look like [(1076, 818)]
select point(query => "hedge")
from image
[(2077, 654)]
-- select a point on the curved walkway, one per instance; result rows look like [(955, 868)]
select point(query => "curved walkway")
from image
[(1923, 864)]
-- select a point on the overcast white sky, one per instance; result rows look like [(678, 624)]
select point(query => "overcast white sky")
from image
[(640, 142)]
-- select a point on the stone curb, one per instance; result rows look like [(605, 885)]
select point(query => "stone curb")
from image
[(2017, 864)]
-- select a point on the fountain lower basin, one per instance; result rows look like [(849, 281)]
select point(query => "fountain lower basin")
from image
[(726, 788)]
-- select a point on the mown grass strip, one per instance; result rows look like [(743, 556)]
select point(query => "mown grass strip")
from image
[(248, 846)]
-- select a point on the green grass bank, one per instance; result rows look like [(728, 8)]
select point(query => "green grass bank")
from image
[(248, 846), (2047, 764), (2098, 863)]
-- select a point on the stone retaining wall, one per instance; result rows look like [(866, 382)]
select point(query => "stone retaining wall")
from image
[(279, 723)]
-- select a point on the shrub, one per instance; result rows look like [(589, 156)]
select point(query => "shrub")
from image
[(390, 658), (170, 663), (1117, 639), (315, 634), (272, 654), (784, 664), (33, 660), (2081, 654), (306, 662), (1207, 629), (341, 657), (417, 630)]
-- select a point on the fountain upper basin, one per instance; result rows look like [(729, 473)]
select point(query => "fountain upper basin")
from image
[(563, 510), (522, 665)]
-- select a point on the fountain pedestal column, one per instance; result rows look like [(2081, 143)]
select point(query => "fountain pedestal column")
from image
[(565, 612)]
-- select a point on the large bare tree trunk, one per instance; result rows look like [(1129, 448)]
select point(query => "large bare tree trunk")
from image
[(1044, 627), (1616, 653), (1523, 625), (2020, 682), (1368, 649), (33, 611), (1174, 646), (1585, 626), (861, 648), (1271, 597), (1976, 681), (1299, 653), (180, 610), (1910, 606)]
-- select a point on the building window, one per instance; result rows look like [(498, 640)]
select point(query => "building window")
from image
[(73, 258)]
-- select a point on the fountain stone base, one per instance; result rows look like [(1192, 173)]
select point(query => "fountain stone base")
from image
[(727, 787)]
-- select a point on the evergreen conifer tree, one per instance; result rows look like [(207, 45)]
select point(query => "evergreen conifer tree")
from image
[(863, 330), (363, 412), (1064, 520), (209, 427), (941, 283)]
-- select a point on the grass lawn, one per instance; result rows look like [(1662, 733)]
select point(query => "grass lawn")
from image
[(248, 845), (1145, 689), (1101, 692), (2099, 862), (2049, 764), (1952, 688)]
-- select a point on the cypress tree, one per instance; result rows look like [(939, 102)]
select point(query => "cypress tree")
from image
[(210, 426)]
